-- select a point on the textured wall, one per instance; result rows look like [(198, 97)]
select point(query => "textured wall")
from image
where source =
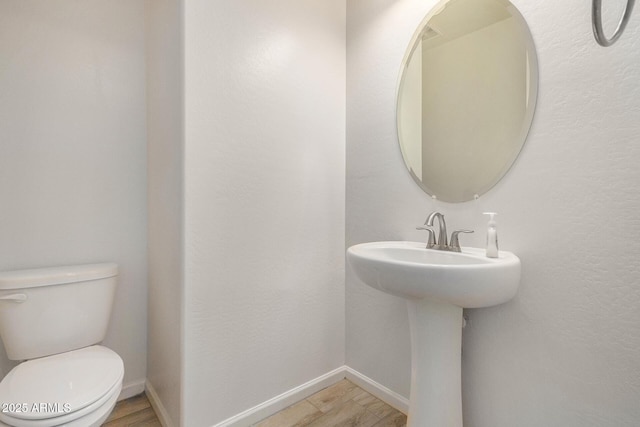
[(565, 351), (73, 149), (264, 200), (165, 196)]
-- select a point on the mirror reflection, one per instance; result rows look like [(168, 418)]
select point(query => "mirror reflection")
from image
[(466, 97)]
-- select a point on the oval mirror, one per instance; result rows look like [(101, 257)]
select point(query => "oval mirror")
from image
[(466, 97)]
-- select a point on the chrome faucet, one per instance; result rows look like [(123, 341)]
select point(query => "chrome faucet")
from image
[(442, 244), (442, 237)]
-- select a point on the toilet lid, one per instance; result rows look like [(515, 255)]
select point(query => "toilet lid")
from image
[(60, 384)]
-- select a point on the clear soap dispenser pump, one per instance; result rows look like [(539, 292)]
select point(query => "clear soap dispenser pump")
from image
[(492, 236)]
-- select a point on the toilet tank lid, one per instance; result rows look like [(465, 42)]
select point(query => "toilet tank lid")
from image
[(20, 279)]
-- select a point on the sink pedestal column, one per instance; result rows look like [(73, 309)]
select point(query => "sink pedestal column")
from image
[(436, 379)]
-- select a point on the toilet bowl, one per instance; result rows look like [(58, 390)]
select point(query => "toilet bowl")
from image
[(52, 319)]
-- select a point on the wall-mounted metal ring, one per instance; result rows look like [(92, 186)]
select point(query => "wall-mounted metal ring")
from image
[(597, 23)]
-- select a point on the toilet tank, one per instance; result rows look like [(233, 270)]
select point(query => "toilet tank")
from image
[(47, 311)]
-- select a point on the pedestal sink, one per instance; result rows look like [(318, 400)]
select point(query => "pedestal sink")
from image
[(437, 286)]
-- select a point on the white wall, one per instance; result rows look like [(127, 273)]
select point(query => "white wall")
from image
[(165, 197), (72, 149), (565, 351), (264, 200)]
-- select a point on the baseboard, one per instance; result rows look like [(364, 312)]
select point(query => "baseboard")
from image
[(288, 398), (388, 396), (157, 405), (131, 389), (284, 400)]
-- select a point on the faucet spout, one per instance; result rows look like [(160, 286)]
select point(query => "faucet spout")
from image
[(442, 237)]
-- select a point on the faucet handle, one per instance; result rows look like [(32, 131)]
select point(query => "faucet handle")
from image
[(454, 246), (431, 240)]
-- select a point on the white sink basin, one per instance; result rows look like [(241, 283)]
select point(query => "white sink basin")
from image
[(467, 279)]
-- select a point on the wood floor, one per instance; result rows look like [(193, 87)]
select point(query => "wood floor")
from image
[(341, 405), (133, 412)]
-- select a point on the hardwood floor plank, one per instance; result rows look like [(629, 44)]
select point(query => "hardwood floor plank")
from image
[(397, 419), (335, 395), (350, 414), (129, 406), (133, 412), (297, 415)]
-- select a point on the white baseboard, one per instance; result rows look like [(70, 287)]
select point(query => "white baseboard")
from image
[(388, 396), (284, 400), (131, 389), (157, 405), (288, 398)]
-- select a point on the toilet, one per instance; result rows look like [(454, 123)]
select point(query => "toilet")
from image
[(52, 320)]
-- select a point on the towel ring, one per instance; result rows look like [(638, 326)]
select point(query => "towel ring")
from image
[(598, 32)]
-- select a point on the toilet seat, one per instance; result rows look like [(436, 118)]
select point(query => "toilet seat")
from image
[(90, 416), (62, 389)]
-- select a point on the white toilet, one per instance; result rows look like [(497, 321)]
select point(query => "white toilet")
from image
[(52, 319)]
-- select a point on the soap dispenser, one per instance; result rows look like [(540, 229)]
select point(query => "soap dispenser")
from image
[(492, 236)]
